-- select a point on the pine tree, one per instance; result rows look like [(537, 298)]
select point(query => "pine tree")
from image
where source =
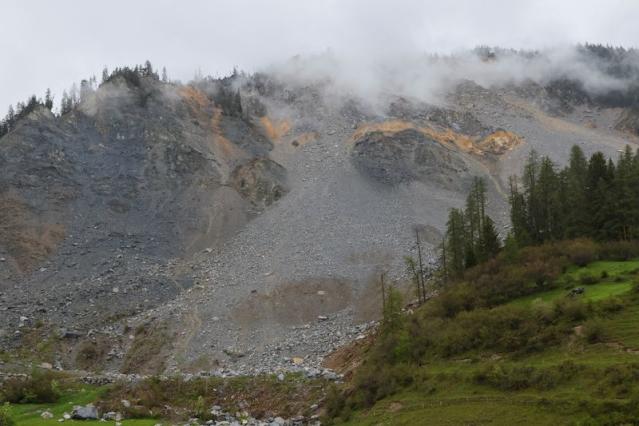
[(455, 243), (66, 104), (548, 209), (165, 77), (533, 206), (74, 98), (48, 100), (85, 91), (105, 75), (519, 214), (11, 116), (626, 196), (475, 210), (575, 201), (489, 244), (597, 186), (237, 104)]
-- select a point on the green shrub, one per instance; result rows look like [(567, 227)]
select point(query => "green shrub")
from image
[(334, 403), (5, 415), (571, 309), (588, 279), (620, 380), (611, 305), (39, 387), (581, 252), (375, 382), (516, 378), (619, 250), (594, 331)]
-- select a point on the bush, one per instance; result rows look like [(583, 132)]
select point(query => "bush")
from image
[(594, 331), (581, 252), (375, 382), (588, 279), (518, 378), (334, 403), (39, 387), (571, 309), (611, 305), (619, 380), (5, 415), (91, 354), (619, 250)]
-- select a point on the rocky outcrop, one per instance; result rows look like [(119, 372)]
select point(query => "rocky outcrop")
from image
[(629, 121), (406, 156), (262, 181)]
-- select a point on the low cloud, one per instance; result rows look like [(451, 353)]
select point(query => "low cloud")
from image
[(429, 76), (53, 44)]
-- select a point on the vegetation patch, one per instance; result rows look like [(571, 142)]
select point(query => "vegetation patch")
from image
[(149, 350)]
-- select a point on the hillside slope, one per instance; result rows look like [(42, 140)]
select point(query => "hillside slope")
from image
[(248, 233), (548, 357)]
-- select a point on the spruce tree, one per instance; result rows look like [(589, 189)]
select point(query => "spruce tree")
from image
[(475, 210), (48, 100), (105, 75), (547, 213), (455, 243), (519, 214), (489, 244), (574, 198)]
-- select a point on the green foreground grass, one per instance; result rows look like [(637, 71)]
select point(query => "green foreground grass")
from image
[(30, 414)]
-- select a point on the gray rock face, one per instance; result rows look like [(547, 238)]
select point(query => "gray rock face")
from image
[(107, 196), (406, 156)]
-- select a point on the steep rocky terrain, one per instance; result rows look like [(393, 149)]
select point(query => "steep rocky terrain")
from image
[(243, 223)]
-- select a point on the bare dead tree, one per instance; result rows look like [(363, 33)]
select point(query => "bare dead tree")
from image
[(383, 293), (421, 286)]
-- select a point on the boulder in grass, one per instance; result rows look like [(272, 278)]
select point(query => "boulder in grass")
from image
[(88, 412)]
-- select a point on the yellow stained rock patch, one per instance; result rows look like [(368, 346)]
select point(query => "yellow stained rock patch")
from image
[(500, 142), (496, 143), (194, 96), (389, 127), (226, 148), (275, 129), (305, 138)]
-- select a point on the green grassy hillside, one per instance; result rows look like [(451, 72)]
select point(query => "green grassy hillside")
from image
[(508, 344)]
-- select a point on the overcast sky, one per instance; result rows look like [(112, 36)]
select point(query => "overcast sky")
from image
[(46, 43)]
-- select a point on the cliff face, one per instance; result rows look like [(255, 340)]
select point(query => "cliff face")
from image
[(225, 212), (103, 196)]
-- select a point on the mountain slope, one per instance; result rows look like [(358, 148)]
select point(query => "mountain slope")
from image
[(245, 221)]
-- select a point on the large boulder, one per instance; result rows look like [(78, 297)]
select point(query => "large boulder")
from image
[(406, 156), (88, 412)]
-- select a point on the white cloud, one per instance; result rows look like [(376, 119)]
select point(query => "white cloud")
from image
[(52, 44)]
